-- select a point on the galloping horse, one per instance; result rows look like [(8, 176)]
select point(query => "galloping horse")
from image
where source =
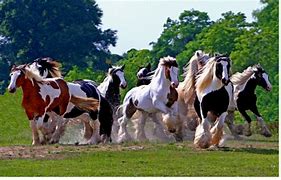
[(144, 75), (245, 98), (84, 88), (42, 96), (186, 89), (110, 89), (150, 99), (213, 94)]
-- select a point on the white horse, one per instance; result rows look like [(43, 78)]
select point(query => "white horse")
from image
[(149, 99)]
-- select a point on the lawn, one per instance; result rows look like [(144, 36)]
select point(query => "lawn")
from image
[(254, 156)]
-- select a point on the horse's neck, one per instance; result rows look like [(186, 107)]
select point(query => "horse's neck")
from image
[(250, 86), (103, 86), (28, 88), (113, 93), (160, 83)]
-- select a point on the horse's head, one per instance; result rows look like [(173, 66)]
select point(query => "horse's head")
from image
[(171, 70), (47, 67), (262, 77), (17, 77), (117, 75), (202, 58), (222, 70), (144, 71)]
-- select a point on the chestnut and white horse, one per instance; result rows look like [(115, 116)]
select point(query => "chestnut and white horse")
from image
[(213, 94), (94, 131), (41, 97), (149, 99)]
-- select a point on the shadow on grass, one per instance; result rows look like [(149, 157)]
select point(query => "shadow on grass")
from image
[(251, 150)]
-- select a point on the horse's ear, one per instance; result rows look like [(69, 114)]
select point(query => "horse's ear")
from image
[(148, 66), (123, 67)]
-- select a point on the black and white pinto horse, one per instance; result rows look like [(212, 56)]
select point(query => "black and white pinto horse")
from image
[(144, 75), (110, 89), (149, 99), (49, 68), (213, 94), (245, 98)]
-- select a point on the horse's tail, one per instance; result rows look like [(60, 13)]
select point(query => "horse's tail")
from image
[(86, 104)]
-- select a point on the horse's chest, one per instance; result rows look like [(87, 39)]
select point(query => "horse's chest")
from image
[(216, 101)]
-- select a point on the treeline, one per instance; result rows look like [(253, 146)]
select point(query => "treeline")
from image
[(246, 43)]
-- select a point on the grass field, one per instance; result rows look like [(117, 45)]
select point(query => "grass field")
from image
[(254, 156)]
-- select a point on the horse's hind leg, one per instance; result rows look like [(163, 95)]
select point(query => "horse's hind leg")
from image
[(264, 129), (217, 130), (247, 129)]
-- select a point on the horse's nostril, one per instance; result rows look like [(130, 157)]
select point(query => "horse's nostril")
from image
[(172, 130)]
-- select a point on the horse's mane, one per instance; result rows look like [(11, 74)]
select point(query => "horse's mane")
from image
[(51, 65), (204, 78), (32, 74), (54, 68), (240, 78), (189, 72), (165, 61)]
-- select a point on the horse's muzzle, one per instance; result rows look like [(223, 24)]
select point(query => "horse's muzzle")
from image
[(12, 90), (225, 81), (123, 86), (175, 84)]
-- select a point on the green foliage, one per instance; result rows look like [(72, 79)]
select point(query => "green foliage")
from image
[(66, 30), (179, 32), (77, 73), (133, 60)]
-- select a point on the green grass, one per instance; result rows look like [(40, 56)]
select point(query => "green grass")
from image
[(178, 159), (256, 156)]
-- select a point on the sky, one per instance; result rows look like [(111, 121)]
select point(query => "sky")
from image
[(139, 22)]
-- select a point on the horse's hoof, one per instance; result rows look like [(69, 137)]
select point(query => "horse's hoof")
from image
[(265, 132)]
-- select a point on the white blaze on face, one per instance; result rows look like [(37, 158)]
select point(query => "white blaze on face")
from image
[(174, 75), (224, 70), (14, 77), (123, 82), (265, 77)]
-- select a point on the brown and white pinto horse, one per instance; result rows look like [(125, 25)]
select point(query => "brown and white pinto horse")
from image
[(42, 96)]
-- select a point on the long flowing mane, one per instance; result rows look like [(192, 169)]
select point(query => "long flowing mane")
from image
[(165, 61), (32, 74), (205, 77), (52, 66), (189, 72), (240, 78)]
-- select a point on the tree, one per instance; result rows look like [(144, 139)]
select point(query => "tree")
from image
[(67, 30), (177, 33)]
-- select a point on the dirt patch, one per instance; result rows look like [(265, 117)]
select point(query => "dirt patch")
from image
[(26, 152)]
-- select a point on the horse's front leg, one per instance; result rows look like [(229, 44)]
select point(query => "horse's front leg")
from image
[(140, 134), (35, 135), (203, 136), (264, 129), (217, 130)]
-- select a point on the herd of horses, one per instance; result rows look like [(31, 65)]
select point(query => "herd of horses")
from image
[(209, 91)]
